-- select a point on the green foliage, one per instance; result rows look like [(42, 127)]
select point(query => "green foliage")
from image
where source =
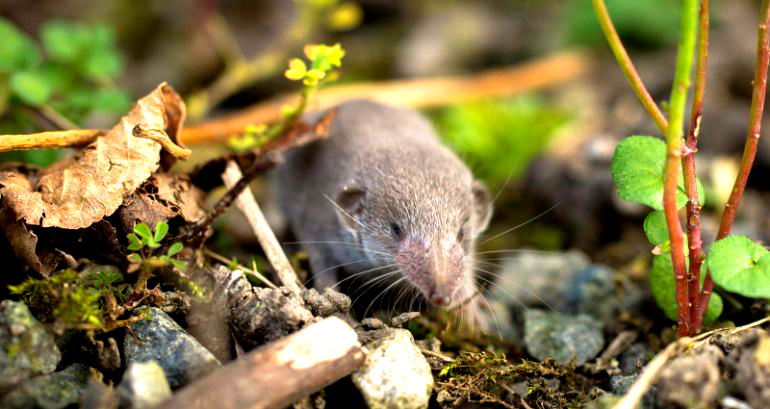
[(639, 23), (741, 266), (71, 299), (663, 285), (72, 73), (476, 377), (324, 60), (144, 238), (655, 227), (638, 171), (499, 137)]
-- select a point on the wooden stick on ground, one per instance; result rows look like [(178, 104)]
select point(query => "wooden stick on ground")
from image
[(249, 207), (48, 140), (279, 373), (415, 93)]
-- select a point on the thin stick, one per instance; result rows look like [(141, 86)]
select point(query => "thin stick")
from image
[(627, 66), (249, 207), (688, 168), (673, 160), (48, 140), (415, 93), (752, 139), (279, 373)]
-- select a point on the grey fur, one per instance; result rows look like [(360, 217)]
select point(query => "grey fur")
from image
[(380, 166)]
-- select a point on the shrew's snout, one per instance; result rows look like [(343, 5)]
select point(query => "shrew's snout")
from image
[(437, 271)]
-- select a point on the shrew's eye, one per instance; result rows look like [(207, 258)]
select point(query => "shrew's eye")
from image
[(395, 230)]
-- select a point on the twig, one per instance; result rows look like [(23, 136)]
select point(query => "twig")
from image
[(621, 55), (688, 169), (263, 158), (279, 373), (416, 93), (249, 207), (48, 140), (679, 89), (222, 259), (160, 136), (752, 139)]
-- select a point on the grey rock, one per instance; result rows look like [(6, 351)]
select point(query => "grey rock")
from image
[(400, 320), (532, 278), (98, 396), (144, 384), (620, 384), (158, 338), (635, 358), (591, 291), (53, 391), (692, 380), (395, 374), (749, 363), (562, 337), (26, 347)]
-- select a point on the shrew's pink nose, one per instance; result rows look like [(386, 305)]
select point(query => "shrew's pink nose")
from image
[(439, 299)]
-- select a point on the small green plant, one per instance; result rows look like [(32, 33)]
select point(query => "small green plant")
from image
[(75, 300), (487, 133), (67, 77), (144, 241), (323, 60), (646, 170)]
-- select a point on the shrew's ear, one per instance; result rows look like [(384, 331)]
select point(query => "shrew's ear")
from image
[(482, 206), (349, 204)]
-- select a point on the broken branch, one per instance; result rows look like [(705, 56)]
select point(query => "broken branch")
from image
[(272, 248), (279, 373)]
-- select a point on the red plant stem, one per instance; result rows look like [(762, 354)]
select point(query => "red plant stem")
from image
[(688, 168), (684, 63), (752, 140)]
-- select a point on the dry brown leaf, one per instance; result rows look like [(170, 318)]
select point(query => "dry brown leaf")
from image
[(24, 244), (161, 198), (81, 190)]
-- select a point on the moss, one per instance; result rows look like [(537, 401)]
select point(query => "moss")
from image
[(490, 378), (71, 299)]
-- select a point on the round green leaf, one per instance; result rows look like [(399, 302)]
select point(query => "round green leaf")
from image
[(663, 285), (174, 249), (741, 266), (17, 50), (143, 231), (655, 227), (637, 170), (31, 87)]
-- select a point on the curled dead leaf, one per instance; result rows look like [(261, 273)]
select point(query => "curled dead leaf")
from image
[(162, 197), (81, 190)]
